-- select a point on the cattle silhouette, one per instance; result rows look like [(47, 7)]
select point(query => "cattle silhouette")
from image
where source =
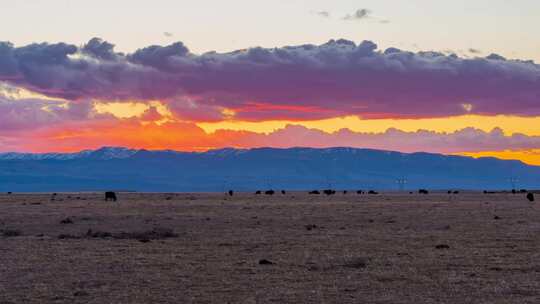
[(344, 192), (231, 193), (316, 192), (359, 192), (329, 192), (530, 197), (423, 191), (270, 192), (110, 196), (373, 192), (258, 192), (283, 192)]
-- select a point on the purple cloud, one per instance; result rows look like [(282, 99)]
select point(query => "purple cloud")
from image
[(338, 77)]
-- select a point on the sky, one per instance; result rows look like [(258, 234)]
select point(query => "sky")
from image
[(460, 77)]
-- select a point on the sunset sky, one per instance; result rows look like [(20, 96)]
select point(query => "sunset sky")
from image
[(460, 77)]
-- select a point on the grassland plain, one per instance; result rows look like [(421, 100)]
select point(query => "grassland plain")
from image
[(293, 248)]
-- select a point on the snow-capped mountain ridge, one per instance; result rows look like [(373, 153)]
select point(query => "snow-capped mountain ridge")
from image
[(251, 169), (101, 153)]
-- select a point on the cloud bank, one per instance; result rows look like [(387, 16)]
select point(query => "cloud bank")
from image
[(294, 82)]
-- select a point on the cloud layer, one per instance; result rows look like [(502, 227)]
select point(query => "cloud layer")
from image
[(51, 96), (73, 136), (294, 82)]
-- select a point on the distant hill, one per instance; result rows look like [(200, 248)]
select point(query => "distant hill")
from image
[(248, 170)]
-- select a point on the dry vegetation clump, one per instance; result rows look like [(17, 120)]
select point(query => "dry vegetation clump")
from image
[(66, 221), (356, 263), (442, 246), (154, 234), (265, 262), (10, 232), (310, 227), (98, 234)]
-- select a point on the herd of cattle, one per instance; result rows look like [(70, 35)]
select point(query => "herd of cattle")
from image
[(111, 196), (530, 195)]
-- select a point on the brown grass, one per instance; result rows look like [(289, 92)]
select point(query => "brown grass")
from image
[(207, 248)]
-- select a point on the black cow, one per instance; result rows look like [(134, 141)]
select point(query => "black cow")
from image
[(270, 192), (530, 197), (110, 196), (258, 192), (231, 193), (423, 191), (359, 192), (316, 192), (373, 192), (283, 192), (329, 192)]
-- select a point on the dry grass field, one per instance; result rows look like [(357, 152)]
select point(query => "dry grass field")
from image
[(208, 248)]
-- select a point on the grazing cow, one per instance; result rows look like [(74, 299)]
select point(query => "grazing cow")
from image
[(231, 193), (109, 195), (530, 197), (373, 192), (329, 192), (316, 192), (514, 191), (456, 192), (270, 192), (283, 192), (423, 191), (359, 192), (258, 192), (344, 192)]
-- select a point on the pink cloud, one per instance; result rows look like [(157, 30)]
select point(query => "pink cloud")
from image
[(465, 140)]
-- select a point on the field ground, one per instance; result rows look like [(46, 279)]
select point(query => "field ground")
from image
[(207, 248)]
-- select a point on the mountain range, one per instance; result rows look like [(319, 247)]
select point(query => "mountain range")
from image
[(113, 168)]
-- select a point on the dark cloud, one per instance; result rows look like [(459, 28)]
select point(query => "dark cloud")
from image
[(99, 49), (336, 78), (160, 57), (359, 15), (496, 57)]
